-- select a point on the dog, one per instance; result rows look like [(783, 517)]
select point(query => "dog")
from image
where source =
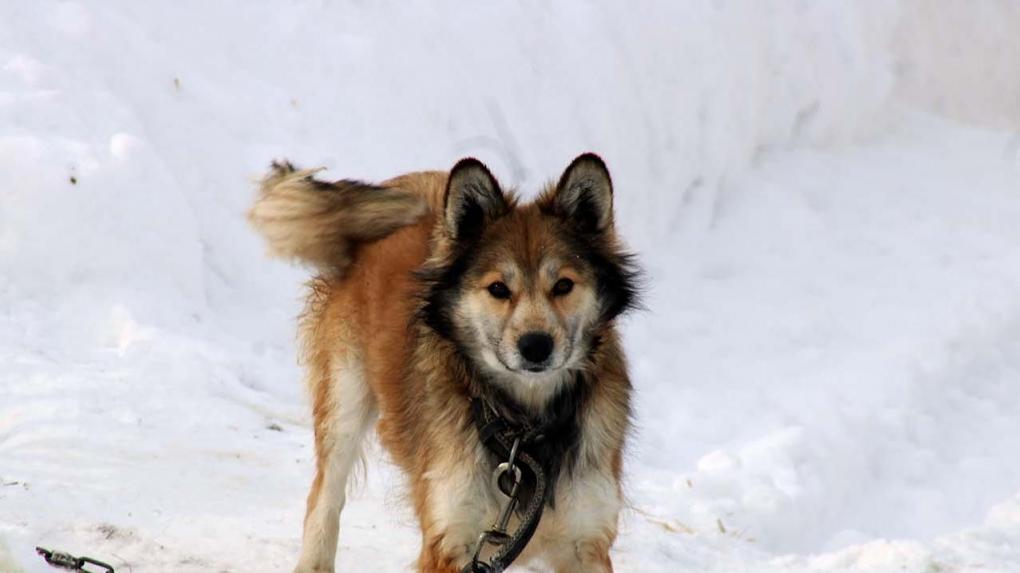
[(440, 291)]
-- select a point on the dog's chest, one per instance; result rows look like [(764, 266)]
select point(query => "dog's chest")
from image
[(464, 502)]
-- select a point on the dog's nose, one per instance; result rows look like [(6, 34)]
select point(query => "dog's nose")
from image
[(535, 347)]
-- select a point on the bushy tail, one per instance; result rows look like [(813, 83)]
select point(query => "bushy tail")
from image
[(321, 223)]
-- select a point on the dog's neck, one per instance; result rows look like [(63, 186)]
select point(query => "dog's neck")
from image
[(530, 393), (560, 406), (533, 395), (556, 423)]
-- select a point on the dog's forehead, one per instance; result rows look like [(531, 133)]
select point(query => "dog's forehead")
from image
[(526, 241)]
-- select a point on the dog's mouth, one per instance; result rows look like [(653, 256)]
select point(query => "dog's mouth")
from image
[(513, 364), (536, 370), (527, 370)]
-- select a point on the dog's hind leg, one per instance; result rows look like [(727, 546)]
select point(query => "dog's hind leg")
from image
[(344, 410)]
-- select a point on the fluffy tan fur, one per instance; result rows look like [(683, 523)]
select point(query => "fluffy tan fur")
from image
[(369, 359), (321, 223)]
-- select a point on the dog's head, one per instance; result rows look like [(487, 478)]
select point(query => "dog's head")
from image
[(525, 290)]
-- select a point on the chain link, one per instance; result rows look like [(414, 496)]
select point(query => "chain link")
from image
[(76, 564)]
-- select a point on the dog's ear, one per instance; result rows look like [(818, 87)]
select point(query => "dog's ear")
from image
[(473, 199), (584, 194)]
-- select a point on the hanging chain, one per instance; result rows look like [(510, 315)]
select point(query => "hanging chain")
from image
[(527, 501), (497, 535), (68, 561)]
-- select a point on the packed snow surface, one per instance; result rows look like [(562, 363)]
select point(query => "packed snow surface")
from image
[(825, 197)]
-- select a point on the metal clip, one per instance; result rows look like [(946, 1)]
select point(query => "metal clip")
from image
[(505, 468), (497, 534)]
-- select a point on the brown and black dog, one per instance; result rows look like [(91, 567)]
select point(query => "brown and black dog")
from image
[(437, 288)]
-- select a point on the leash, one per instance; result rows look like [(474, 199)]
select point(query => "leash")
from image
[(508, 477), (77, 564)]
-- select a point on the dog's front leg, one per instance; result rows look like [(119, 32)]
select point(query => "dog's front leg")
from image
[(588, 556), (455, 507), (434, 559), (584, 523)]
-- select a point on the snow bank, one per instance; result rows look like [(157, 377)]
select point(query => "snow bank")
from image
[(829, 355), (857, 384), (161, 114), (960, 59)]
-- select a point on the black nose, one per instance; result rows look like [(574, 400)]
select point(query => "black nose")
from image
[(535, 347)]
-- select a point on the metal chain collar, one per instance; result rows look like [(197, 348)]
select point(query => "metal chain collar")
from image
[(507, 479)]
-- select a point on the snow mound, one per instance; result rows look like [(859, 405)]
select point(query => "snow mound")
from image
[(827, 369)]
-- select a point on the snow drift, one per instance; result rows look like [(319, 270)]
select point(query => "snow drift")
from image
[(829, 356)]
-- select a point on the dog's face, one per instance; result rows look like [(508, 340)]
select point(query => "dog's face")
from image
[(524, 290), (528, 303)]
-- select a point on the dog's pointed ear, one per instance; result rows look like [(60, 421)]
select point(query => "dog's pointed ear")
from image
[(473, 199), (584, 194)]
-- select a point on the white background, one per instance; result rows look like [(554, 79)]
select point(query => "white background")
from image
[(825, 197)]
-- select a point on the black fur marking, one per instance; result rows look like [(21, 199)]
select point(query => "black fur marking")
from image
[(477, 198), (617, 277), (470, 219), (350, 186), (553, 436), (442, 286), (282, 166), (587, 213), (577, 196)]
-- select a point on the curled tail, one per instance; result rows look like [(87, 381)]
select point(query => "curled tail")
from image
[(321, 223)]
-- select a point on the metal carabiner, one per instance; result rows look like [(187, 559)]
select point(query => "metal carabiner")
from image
[(506, 467), (497, 477), (497, 535)]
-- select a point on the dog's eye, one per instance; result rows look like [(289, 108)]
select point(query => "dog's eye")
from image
[(499, 290), (562, 287)]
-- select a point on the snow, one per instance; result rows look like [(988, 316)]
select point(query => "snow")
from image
[(825, 197)]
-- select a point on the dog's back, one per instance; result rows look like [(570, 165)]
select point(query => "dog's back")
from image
[(365, 241)]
